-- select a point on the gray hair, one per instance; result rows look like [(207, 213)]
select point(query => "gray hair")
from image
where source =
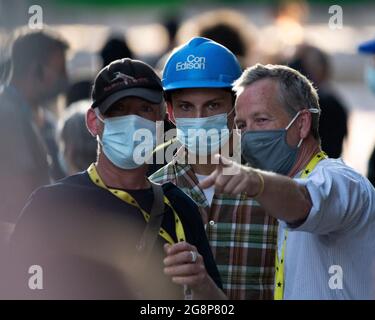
[(296, 92), (73, 134)]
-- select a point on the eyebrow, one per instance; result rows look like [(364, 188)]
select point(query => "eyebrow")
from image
[(206, 102), (255, 114), (258, 113), (214, 100), (183, 101)]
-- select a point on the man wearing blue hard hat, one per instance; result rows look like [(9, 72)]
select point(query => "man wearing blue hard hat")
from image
[(368, 48), (197, 80)]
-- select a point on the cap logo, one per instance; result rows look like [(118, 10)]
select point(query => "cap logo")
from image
[(192, 62), (123, 79)]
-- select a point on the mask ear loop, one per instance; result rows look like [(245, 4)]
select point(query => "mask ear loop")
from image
[(289, 125), (97, 113), (312, 110), (292, 121), (98, 117), (299, 143), (231, 111), (228, 114)]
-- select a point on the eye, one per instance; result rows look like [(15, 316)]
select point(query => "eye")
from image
[(213, 105), (185, 106), (240, 125), (147, 108), (261, 120)]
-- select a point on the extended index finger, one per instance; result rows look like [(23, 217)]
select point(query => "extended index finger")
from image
[(210, 180)]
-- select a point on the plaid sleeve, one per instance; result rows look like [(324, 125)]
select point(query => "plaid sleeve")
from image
[(161, 176)]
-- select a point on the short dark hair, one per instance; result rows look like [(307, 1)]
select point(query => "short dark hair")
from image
[(34, 46)]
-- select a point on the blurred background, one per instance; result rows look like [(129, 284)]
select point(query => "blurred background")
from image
[(303, 34)]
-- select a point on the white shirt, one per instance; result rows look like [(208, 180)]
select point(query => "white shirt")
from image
[(336, 243), (209, 192)]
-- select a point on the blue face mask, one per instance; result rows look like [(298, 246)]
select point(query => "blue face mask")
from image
[(128, 141), (203, 136), (370, 77), (269, 150)]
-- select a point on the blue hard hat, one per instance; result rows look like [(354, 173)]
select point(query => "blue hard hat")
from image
[(367, 47), (200, 63)]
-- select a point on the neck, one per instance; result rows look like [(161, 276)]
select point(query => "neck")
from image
[(115, 177), (308, 149)]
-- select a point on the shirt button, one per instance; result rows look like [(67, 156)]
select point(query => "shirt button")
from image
[(212, 223)]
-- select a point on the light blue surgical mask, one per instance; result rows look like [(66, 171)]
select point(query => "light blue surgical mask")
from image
[(370, 77), (128, 141), (269, 150), (203, 136)]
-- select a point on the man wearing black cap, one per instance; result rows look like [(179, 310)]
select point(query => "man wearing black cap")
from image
[(127, 101)]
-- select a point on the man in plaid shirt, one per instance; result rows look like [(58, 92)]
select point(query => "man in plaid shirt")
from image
[(198, 79)]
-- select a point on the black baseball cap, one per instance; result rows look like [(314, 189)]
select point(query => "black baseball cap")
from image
[(125, 78)]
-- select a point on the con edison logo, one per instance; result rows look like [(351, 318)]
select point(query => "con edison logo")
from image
[(192, 62)]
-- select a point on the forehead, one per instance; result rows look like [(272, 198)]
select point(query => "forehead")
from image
[(260, 96), (199, 94)]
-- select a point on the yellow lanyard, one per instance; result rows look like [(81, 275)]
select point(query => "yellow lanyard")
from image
[(279, 265), (124, 196)]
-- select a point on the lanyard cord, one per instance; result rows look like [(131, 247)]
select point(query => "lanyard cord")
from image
[(124, 196), (279, 265)]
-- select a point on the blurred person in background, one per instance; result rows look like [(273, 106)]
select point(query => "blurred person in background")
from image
[(171, 23), (315, 64), (115, 47), (82, 68), (77, 146), (198, 79), (47, 119), (78, 91), (5, 61), (368, 48), (38, 75), (286, 31), (127, 99), (228, 27)]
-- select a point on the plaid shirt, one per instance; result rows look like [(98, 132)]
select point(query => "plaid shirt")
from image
[(243, 239)]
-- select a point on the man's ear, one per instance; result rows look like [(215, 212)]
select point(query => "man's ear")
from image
[(93, 124), (170, 112), (304, 124)]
